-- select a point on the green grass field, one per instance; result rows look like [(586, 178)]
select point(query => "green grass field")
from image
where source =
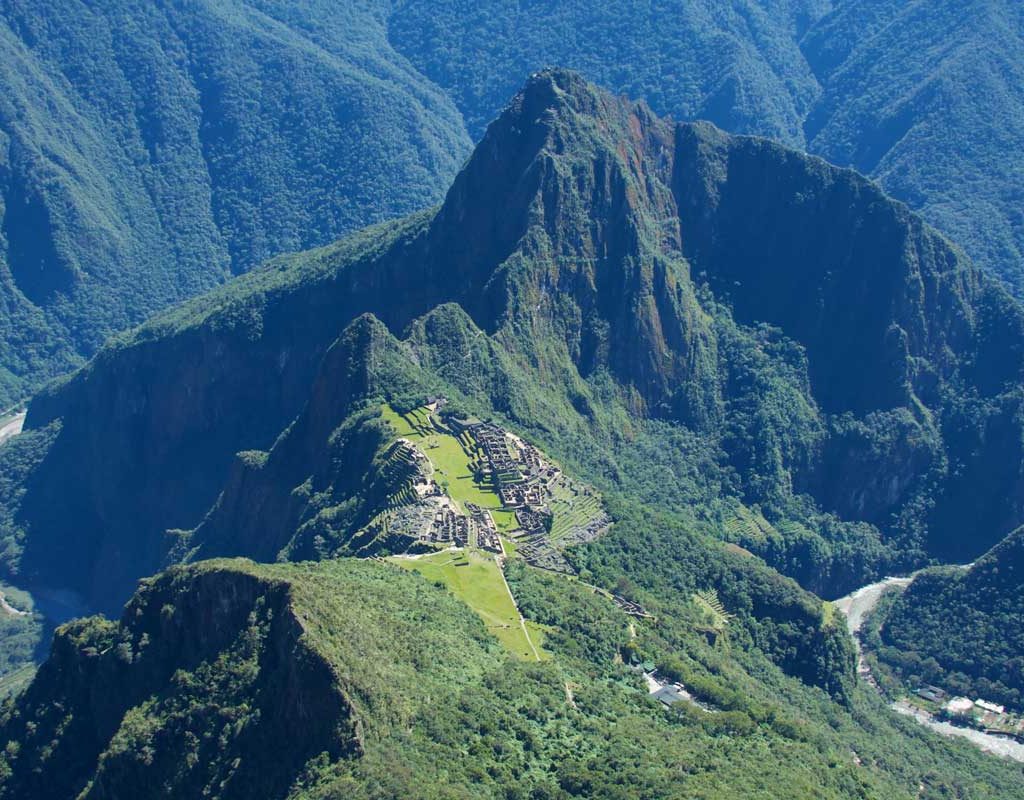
[(476, 580), (452, 464)]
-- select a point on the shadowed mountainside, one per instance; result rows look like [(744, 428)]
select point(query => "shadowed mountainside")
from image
[(147, 153), (622, 267)]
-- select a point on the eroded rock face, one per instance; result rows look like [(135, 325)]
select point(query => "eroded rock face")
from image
[(203, 664)]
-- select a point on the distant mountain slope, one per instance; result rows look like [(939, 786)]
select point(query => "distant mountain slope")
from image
[(738, 64), (963, 630), (927, 98), (613, 282), (146, 153), (923, 96), (664, 308), (149, 151)]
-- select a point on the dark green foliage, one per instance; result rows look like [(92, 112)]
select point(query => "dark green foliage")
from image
[(419, 702), (583, 282), (554, 288), (25, 636), (927, 99), (580, 623), (149, 152), (924, 98), (221, 680), (331, 471), (21, 456), (960, 629), (671, 561), (738, 65)]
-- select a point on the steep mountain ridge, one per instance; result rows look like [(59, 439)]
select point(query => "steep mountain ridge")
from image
[(329, 447), (600, 282), (148, 153), (276, 688), (890, 279), (176, 634), (620, 266)]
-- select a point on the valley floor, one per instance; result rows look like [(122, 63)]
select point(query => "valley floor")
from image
[(857, 606)]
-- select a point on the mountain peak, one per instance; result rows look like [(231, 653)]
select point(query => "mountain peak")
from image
[(556, 88), (596, 249)]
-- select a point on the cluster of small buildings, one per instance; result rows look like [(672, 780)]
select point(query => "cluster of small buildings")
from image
[(494, 444), (962, 706), (530, 458), (539, 552), (532, 522), (517, 495), (523, 481), (411, 520), (665, 691), (631, 607), (486, 533), (982, 714), (582, 534), (447, 528), (958, 705)]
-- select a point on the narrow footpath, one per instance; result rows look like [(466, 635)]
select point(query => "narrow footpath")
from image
[(522, 620)]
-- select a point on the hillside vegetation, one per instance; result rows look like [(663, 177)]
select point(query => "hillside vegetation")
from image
[(671, 314), (963, 630), (148, 152), (359, 680), (581, 281)]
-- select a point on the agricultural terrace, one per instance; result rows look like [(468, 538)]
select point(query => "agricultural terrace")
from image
[(535, 496), (572, 507), (478, 582)]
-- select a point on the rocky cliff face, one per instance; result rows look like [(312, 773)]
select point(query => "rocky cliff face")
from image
[(202, 664), (327, 474), (766, 301)]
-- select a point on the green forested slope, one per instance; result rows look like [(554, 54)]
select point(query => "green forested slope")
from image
[(923, 96), (963, 629), (351, 679), (580, 280), (584, 283), (148, 151), (926, 98), (738, 65)]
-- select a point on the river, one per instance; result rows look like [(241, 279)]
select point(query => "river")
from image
[(856, 606), (13, 426)]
